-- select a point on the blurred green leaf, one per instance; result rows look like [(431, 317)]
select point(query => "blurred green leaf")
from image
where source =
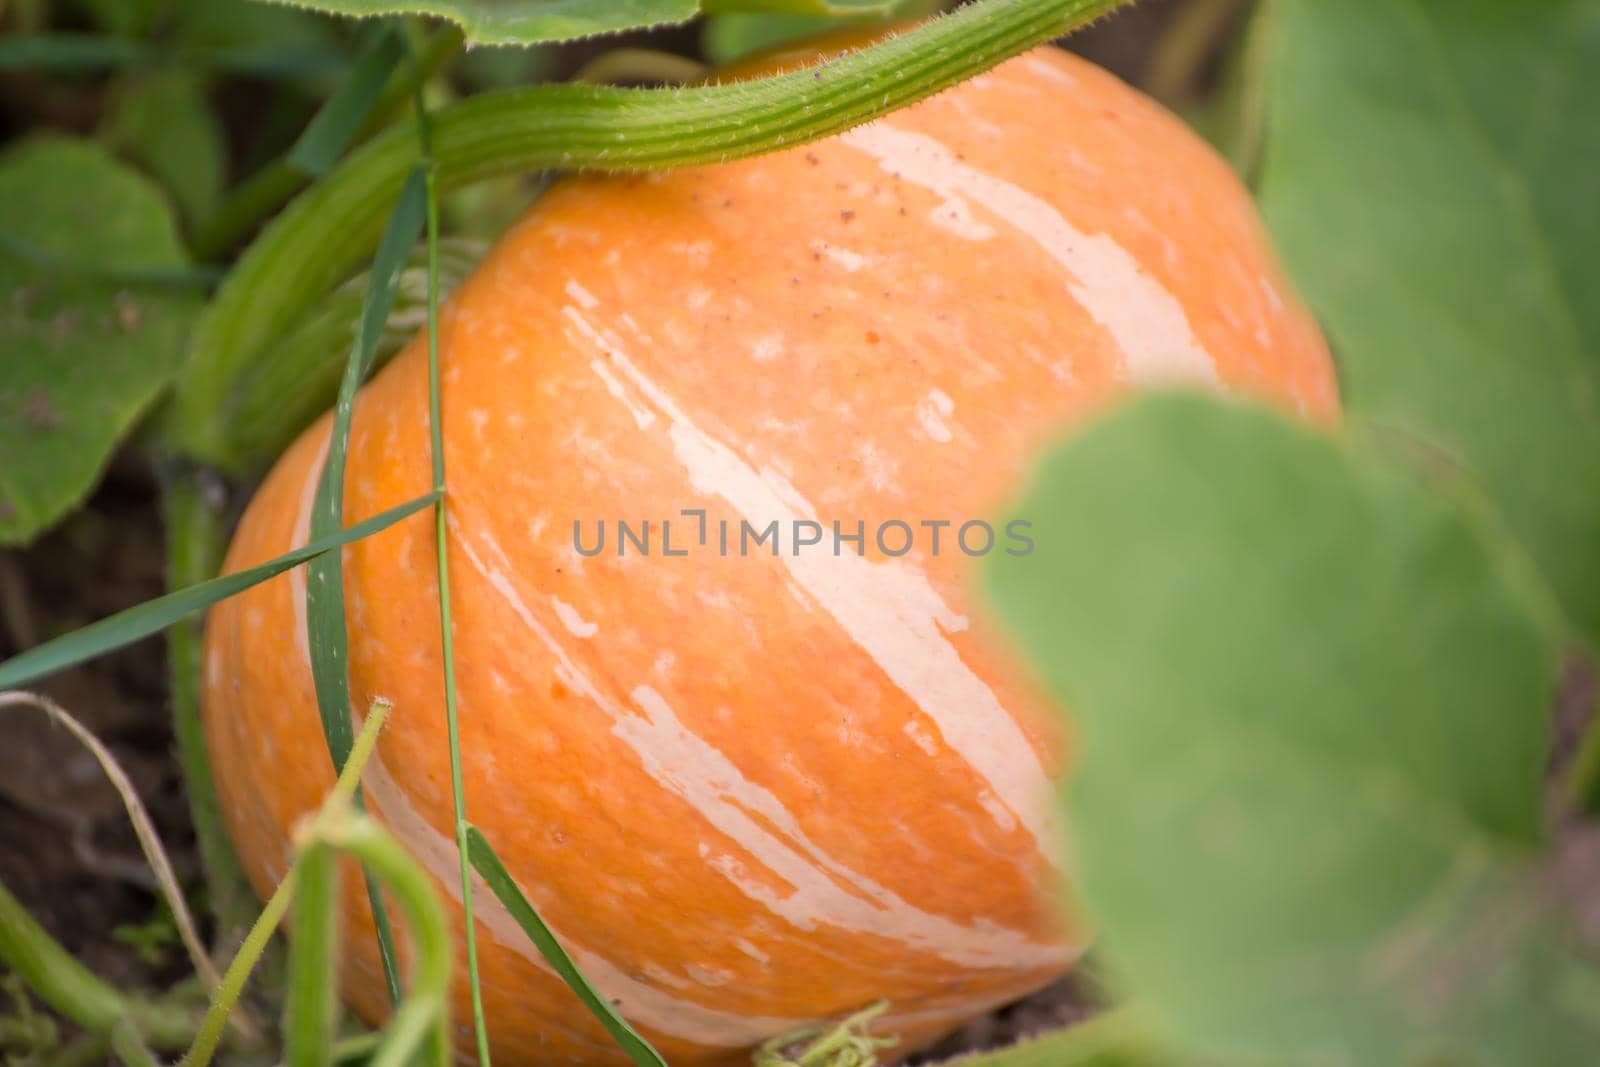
[(163, 122), (522, 21), (86, 349), (1313, 700), (1431, 176)]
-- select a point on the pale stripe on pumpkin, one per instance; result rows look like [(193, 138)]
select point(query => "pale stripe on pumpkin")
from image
[(719, 795), (690, 768), (1148, 323), (888, 608)]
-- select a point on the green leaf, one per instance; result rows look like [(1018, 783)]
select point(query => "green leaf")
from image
[(85, 353), (825, 8), (1313, 699), (153, 616), (1430, 175), (522, 21), (499, 880), (165, 125)]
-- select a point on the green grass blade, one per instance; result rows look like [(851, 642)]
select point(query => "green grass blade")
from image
[(68, 52), (442, 555), (495, 875), (325, 613), (153, 616), (337, 124), (310, 1008), (72, 52)]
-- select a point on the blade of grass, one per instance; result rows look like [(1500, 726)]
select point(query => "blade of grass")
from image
[(70, 52), (338, 121), (325, 612), (458, 793), (495, 875), (153, 616)]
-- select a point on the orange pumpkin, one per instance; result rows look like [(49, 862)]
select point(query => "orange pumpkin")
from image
[(752, 790)]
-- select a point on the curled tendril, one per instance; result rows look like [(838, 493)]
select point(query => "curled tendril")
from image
[(846, 1043)]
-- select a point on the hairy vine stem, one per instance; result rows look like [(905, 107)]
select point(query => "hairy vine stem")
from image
[(321, 238)]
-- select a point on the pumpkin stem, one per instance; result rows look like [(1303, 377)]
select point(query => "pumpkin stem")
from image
[(843, 1044)]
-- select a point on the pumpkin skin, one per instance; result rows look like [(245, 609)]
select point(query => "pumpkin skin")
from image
[(748, 792)]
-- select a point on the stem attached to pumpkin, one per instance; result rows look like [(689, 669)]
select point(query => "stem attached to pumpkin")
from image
[(322, 236)]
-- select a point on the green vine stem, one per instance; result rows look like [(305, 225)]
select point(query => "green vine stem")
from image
[(422, 1019), (322, 237), (291, 382), (195, 526), (209, 1035), (76, 992)]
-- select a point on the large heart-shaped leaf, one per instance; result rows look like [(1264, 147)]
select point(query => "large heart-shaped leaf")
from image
[(535, 21), (1313, 700), (523, 21), (93, 311), (1430, 174)]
